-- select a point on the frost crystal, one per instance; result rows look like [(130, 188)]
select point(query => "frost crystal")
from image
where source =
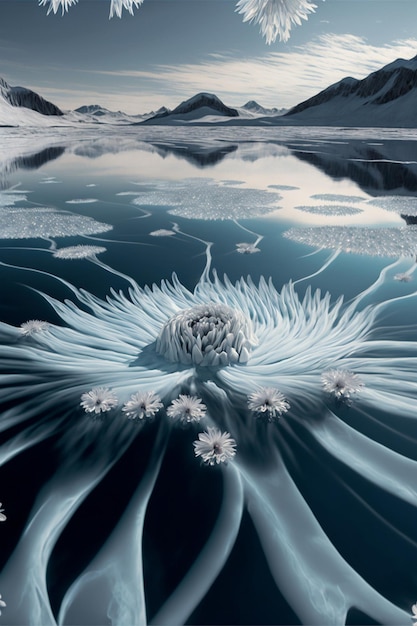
[(31, 327), (54, 5), (98, 400), (341, 383), (144, 404), (208, 334), (414, 616), (117, 6), (268, 401), (78, 252), (3, 518), (2, 603), (275, 17), (214, 446), (187, 409), (247, 248)]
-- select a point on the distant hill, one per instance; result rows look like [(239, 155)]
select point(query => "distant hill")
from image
[(202, 105), (253, 107), (387, 97)]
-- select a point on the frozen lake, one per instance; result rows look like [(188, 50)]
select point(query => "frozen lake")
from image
[(117, 252)]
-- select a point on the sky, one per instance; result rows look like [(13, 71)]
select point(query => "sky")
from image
[(172, 49)]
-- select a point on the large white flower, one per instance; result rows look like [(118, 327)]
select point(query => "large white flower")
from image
[(275, 17), (98, 400), (268, 401)]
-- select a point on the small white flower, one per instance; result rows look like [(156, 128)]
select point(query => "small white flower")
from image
[(54, 5), (3, 518), (247, 248), (341, 383), (403, 278), (187, 409), (142, 404), (31, 327), (98, 400), (2, 603), (214, 446), (414, 611), (269, 401)]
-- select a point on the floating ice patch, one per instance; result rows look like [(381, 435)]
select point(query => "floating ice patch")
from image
[(390, 242), (283, 187), (329, 209), (405, 205), (204, 200), (30, 223), (49, 181), (81, 201), (162, 232), (335, 197), (78, 252)]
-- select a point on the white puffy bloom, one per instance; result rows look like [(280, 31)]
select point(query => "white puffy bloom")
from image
[(211, 334), (117, 6), (341, 383), (98, 400), (55, 5), (268, 401), (187, 409), (247, 248), (2, 603), (78, 252), (214, 446), (32, 327), (275, 17), (143, 404)]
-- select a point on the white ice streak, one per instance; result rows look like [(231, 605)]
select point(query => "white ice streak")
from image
[(275, 17), (209, 334)]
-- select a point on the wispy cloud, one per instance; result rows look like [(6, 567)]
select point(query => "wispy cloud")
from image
[(277, 78)]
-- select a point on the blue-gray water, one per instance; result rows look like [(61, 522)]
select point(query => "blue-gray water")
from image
[(78, 480)]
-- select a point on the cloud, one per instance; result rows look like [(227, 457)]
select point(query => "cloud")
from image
[(276, 79)]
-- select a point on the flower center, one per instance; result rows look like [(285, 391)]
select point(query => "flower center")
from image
[(208, 334)]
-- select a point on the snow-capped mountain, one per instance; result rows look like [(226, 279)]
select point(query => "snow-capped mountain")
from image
[(95, 113), (201, 106), (387, 97), (26, 98), (254, 107)]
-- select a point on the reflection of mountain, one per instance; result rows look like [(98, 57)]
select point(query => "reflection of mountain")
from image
[(375, 169), (31, 161), (201, 156)]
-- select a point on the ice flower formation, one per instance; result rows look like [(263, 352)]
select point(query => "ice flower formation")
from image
[(268, 401), (142, 405), (187, 409), (33, 327), (215, 447), (276, 17), (329, 209), (226, 350), (341, 384)]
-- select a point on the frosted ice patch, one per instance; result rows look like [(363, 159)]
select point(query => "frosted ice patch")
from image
[(335, 197), (81, 201), (162, 232), (405, 205), (390, 242), (30, 223), (283, 187), (329, 209)]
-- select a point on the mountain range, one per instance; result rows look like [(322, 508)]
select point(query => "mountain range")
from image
[(385, 98)]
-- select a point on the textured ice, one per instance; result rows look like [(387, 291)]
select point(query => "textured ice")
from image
[(283, 187), (336, 197), (28, 223), (329, 209), (81, 201), (398, 204), (389, 242), (162, 232), (207, 200)]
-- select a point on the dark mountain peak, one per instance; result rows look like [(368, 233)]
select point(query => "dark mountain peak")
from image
[(26, 98)]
